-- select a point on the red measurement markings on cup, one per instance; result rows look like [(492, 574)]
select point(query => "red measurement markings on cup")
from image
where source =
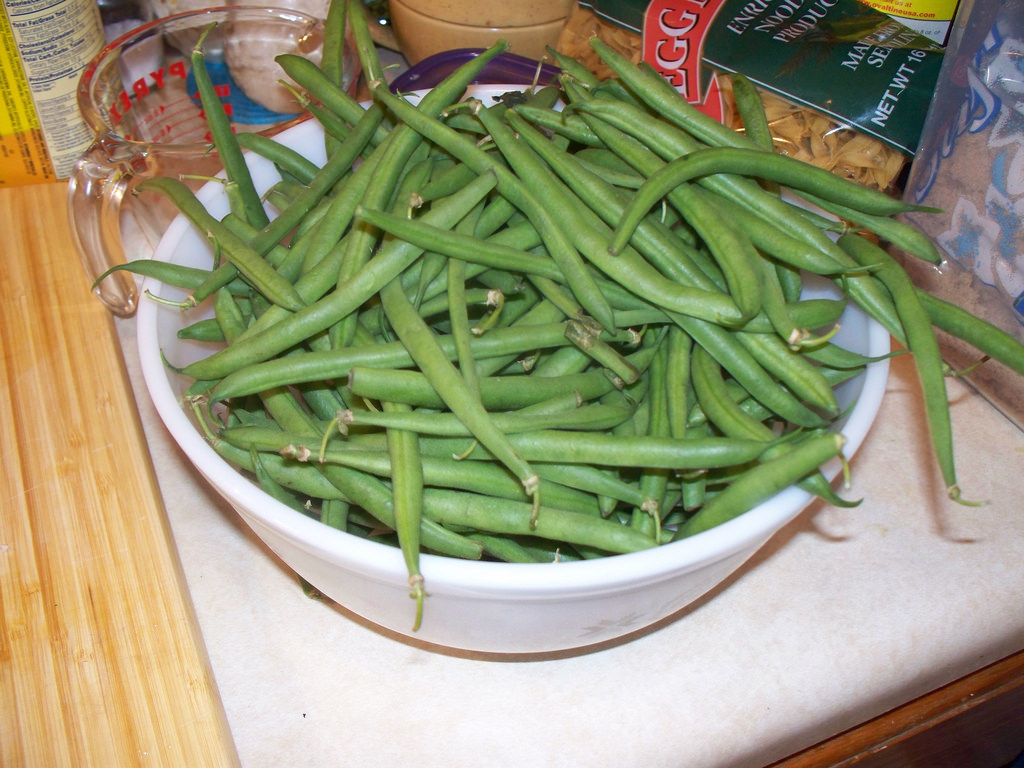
[(142, 87), (156, 108)]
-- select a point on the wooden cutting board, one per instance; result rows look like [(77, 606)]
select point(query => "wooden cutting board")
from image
[(101, 661)]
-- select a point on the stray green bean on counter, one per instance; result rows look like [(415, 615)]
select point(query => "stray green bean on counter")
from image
[(535, 333)]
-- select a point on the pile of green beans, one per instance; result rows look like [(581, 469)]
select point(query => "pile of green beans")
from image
[(528, 333)]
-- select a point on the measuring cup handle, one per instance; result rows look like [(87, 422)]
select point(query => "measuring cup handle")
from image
[(95, 190)]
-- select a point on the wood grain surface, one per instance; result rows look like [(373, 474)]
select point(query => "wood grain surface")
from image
[(101, 661)]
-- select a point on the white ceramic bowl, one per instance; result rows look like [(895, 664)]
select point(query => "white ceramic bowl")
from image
[(480, 606)]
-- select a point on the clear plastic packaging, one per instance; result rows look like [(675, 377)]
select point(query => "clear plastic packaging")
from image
[(971, 165)]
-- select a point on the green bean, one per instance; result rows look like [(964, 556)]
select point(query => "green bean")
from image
[(322, 314), (285, 158), (461, 333), (791, 281), (444, 471), (400, 145), (756, 163), (519, 312), (337, 165), (449, 384), (368, 455), (653, 481), (373, 496), (867, 292), (336, 513), (507, 517), (447, 181), (600, 481), (720, 408), (898, 233), (281, 194), (365, 47), (601, 160), (298, 477), (434, 264), (923, 345), (333, 57), (833, 356), (223, 137), (309, 76), (335, 129), (751, 111), (278, 256), (461, 246), (595, 416), (207, 330), (762, 482), (436, 303), (326, 237), (564, 124), (510, 186), (735, 254), (574, 68), (505, 549), (664, 100), (735, 359), (781, 245), (614, 176), (272, 488), (677, 379), (497, 392), (666, 144), (667, 250), (734, 420), (792, 369), (807, 314), (776, 310), (337, 363), (178, 275), (987, 338), (599, 448), (696, 296), (588, 339), (249, 263), (407, 492)]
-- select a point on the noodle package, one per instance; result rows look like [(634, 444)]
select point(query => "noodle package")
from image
[(845, 86)]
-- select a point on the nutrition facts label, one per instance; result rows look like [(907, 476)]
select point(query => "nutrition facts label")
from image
[(46, 46)]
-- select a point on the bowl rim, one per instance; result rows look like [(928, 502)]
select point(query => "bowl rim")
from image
[(375, 560)]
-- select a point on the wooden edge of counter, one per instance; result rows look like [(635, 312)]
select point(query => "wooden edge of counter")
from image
[(975, 720), (101, 658)]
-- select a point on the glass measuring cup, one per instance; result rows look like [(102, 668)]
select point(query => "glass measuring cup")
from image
[(138, 96)]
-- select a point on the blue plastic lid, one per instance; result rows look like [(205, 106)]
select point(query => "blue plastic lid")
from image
[(510, 68)]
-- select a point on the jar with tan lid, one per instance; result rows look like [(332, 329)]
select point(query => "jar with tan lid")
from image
[(426, 27)]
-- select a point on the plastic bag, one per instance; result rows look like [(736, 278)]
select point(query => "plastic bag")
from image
[(971, 165)]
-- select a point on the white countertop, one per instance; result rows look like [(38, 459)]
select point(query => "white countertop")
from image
[(843, 615)]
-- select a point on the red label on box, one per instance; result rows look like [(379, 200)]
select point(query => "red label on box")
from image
[(673, 38)]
